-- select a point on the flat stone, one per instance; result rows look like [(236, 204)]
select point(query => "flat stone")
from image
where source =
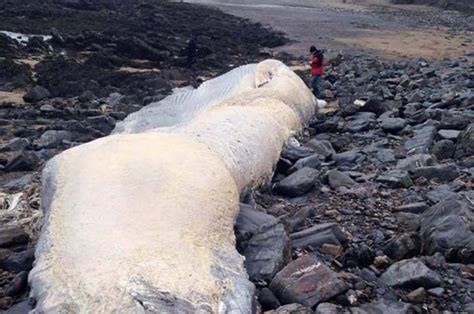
[(382, 306), (313, 161), (327, 308), (417, 295), (385, 156), (307, 281), (420, 143), (437, 292), (18, 284), (53, 138), (293, 308), (321, 147), (16, 143), (393, 125), (23, 161), (415, 208), (318, 235), (298, 183), (361, 121), (410, 273), (395, 179), (249, 221), (267, 252), (348, 158), (447, 228), (449, 134), (442, 173), (403, 246), (415, 161), (293, 152), (337, 178)]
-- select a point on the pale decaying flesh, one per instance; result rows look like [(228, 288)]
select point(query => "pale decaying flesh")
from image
[(142, 220)]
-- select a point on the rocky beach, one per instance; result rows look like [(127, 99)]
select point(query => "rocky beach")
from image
[(370, 209)]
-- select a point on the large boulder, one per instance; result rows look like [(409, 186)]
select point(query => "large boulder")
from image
[(447, 228)]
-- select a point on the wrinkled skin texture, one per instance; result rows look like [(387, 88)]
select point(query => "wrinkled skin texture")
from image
[(142, 220)]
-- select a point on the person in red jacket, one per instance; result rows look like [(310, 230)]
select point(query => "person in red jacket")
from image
[(317, 69)]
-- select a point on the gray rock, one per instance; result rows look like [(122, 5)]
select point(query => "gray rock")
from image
[(395, 179), (348, 158), (421, 141), (385, 156), (321, 147), (415, 161), (327, 308), (447, 228), (442, 173), (307, 281), (415, 208), (17, 262), (18, 284), (449, 134), (267, 252), (298, 183), (268, 300), (293, 308), (443, 149), (408, 221), (23, 161), (465, 144), (18, 184), (293, 152), (53, 138), (440, 193), (249, 221), (403, 246), (437, 292), (337, 178), (393, 125), (19, 308), (410, 273), (13, 235), (37, 93), (16, 143), (382, 307), (319, 234), (361, 121), (312, 161)]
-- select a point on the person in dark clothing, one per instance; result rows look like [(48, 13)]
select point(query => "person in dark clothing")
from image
[(191, 51), (317, 69)]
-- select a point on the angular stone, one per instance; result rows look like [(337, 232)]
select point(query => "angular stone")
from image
[(437, 292), (53, 138), (443, 149), (449, 134), (249, 221), (415, 161), (327, 308), (408, 221), (421, 141), (17, 261), (268, 300), (321, 147), (447, 228), (19, 308), (351, 157), (16, 143), (403, 246), (12, 235), (298, 183), (267, 252), (18, 284), (293, 308), (382, 306), (293, 152), (417, 295), (319, 234), (393, 125), (410, 273), (312, 161), (415, 208), (307, 281), (337, 178), (361, 121), (465, 143), (442, 173), (385, 156), (37, 93), (24, 161), (395, 179)]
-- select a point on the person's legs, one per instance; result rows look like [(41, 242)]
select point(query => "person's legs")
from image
[(315, 85)]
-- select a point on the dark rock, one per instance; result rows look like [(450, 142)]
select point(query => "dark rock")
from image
[(361, 121), (395, 179), (410, 273), (337, 178), (319, 234), (293, 152), (440, 193), (403, 246), (19, 308), (104, 124), (249, 221), (375, 106), (421, 141), (18, 284), (23, 161), (292, 222), (385, 156), (298, 183), (408, 221), (365, 255), (393, 125), (415, 161), (17, 262), (348, 158), (321, 147), (16, 143), (415, 208), (267, 252), (18, 184), (268, 300), (37, 93), (293, 308), (382, 306), (442, 173), (53, 138), (327, 308), (447, 228), (465, 144), (437, 292), (312, 161), (12, 235), (307, 281), (443, 149)]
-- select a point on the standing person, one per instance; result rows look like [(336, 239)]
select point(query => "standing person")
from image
[(191, 51), (317, 69)]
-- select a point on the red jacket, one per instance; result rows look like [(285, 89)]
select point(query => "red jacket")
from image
[(317, 67)]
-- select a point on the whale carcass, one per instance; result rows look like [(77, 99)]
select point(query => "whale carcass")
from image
[(142, 220)]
